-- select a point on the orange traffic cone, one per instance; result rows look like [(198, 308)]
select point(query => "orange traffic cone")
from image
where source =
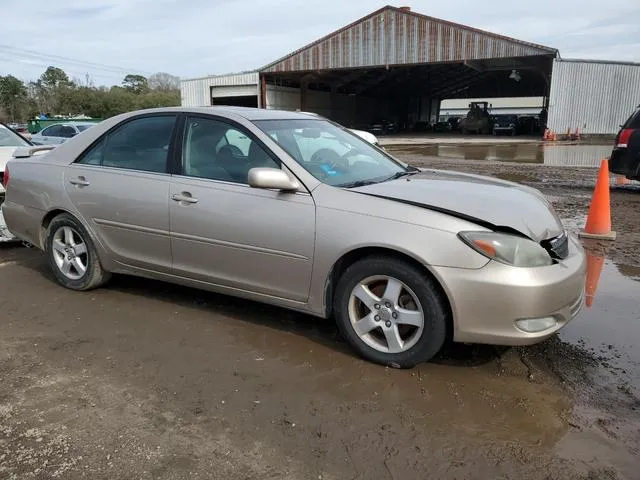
[(599, 219), (594, 268)]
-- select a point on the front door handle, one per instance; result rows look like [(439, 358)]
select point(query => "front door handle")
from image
[(79, 182), (183, 197)]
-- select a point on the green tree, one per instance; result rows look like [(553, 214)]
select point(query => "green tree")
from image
[(13, 96), (54, 93), (54, 78), (47, 89), (136, 84)]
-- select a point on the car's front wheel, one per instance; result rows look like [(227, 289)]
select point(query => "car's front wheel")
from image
[(72, 255), (390, 312)]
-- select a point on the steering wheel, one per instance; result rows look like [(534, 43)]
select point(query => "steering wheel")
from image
[(329, 157), (234, 150)]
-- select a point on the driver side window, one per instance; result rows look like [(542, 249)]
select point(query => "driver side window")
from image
[(216, 150)]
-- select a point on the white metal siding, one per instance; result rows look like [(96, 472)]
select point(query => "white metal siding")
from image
[(196, 92), (234, 91), (595, 97), (503, 102)]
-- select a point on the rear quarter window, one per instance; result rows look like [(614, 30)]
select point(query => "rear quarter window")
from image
[(634, 120)]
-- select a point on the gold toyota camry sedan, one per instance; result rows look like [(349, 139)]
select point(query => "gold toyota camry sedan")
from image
[(294, 210)]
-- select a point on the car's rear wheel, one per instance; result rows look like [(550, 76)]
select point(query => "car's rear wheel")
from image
[(72, 255), (390, 312)]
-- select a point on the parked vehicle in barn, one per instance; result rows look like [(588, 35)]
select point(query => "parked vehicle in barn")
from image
[(477, 119), (505, 124), (455, 123), (59, 133), (293, 210), (529, 125), (442, 127), (383, 126), (625, 157)]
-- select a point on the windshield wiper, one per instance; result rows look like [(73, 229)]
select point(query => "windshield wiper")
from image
[(359, 183), (401, 174)]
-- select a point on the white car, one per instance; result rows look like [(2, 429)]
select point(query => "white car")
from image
[(59, 132), (368, 136), (9, 142)]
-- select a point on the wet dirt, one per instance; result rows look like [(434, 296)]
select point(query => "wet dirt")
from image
[(147, 380)]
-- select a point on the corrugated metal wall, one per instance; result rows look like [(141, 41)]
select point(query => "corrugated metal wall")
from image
[(195, 92), (395, 37), (595, 97)]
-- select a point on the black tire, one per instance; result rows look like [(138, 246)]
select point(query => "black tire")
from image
[(95, 275), (428, 294)]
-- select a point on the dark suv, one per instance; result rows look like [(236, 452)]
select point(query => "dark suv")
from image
[(625, 158)]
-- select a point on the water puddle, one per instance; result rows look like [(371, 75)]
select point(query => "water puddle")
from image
[(565, 155), (609, 325)]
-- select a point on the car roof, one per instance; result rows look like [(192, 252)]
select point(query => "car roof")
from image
[(247, 113), (62, 122)]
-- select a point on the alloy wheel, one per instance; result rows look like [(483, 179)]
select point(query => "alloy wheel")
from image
[(70, 253), (386, 314)]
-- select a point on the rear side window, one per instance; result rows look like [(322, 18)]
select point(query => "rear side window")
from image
[(52, 131), (67, 132), (140, 144), (634, 120)]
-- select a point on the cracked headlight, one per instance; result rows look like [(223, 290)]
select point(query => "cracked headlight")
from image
[(510, 249)]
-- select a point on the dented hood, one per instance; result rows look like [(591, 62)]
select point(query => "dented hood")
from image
[(487, 201)]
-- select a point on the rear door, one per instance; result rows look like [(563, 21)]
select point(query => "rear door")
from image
[(120, 186), (51, 135), (67, 132)]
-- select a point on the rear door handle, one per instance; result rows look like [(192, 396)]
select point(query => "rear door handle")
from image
[(184, 197), (79, 182)]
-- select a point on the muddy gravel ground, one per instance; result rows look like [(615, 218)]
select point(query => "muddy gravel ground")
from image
[(145, 380)]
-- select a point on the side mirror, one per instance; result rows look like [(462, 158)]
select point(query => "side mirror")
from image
[(272, 178)]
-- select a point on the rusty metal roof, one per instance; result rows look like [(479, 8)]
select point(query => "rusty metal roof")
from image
[(397, 36)]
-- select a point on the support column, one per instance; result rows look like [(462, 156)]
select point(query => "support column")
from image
[(303, 95), (262, 97)]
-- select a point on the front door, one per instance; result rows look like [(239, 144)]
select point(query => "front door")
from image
[(120, 186), (227, 233)]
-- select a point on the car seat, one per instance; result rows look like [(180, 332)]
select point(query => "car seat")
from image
[(203, 161)]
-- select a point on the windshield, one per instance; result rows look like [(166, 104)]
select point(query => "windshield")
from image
[(82, 128), (332, 155), (11, 139)]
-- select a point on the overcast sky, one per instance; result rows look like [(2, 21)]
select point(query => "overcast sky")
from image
[(190, 38)]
